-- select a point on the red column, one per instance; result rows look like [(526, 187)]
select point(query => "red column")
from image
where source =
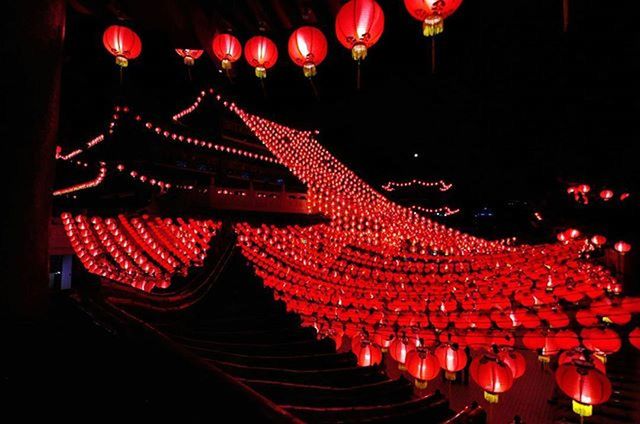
[(32, 55)]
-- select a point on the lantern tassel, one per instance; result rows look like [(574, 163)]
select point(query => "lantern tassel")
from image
[(433, 55), (228, 73), (121, 75), (189, 73), (358, 76), (314, 88), (264, 88), (565, 15)]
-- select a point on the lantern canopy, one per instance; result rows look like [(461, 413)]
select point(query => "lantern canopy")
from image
[(308, 48), (227, 49), (261, 53), (359, 25), (432, 13), (123, 43)]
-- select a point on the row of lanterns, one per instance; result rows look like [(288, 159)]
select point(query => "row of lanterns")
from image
[(359, 25)]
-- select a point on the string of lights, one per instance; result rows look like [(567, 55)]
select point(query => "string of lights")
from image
[(442, 211), (394, 185), (102, 173)]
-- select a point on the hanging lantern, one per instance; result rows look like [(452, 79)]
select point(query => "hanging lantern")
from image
[(624, 196), (601, 341), (584, 384), (369, 355), (399, 348), (423, 366), (189, 55), (606, 195), (123, 43), (308, 48), (598, 240), (261, 53), (227, 49), (622, 247), (432, 13), (514, 360), (359, 25), (492, 375), (634, 338), (580, 354), (451, 359), (383, 337)]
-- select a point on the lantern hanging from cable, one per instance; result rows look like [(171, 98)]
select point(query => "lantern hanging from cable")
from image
[(308, 48), (399, 348), (227, 49), (423, 366), (492, 375), (451, 358), (432, 13), (598, 240), (123, 43), (261, 53), (622, 247), (189, 55), (514, 360), (584, 384), (369, 354), (606, 195)]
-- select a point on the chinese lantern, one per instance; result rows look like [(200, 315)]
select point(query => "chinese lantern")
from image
[(369, 355), (432, 13), (514, 360), (580, 354), (227, 49), (606, 195), (359, 25), (622, 247), (602, 341), (598, 240), (492, 375), (451, 358), (261, 53), (572, 233), (584, 384), (308, 48), (624, 196), (423, 366), (383, 338), (399, 348), (189, 55), (123, 43), (634, 337)]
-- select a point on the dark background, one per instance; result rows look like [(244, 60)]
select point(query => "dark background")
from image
[(517, 109)]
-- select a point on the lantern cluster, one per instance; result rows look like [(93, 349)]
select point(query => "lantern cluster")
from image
[(581, 193), (143, 252)]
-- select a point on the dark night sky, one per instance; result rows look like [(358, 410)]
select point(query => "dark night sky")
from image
[(515, 105)]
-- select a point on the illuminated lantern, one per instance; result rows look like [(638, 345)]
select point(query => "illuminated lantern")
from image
[(368, 355), (572, 233), (634, 337), (579, 354), (123, 43), (584, 384), (514, 360), (584, 188), (399, 348), (432, 13), (227, 49), (451, 358), (562, 237), (423, 366), (624, 196), (189, 55), (602, 341), (492, 375), (261, 53), (598, 240), (307, 48), (359, 25), (383, 338), (622, 247), (606, 195)]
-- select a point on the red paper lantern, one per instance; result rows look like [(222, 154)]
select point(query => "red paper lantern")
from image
[(227, 49), (624, 196), (261, 53), (432, 13), (492, 375), (622, 247), (308, 48), (451, 358), (369, 355), (359, 25), (189, 55), (606, 195), (634, 337), (399, 348), (598, 240), (603, 341), (123, 43), (583, 383), (514, 360), (579, 354), (423, 366)]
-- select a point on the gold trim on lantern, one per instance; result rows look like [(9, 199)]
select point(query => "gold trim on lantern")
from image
[(433, 25), (601, 356), (491, 397), (544, 359), (309, 70), (261, 72), (402, 367), (188, 60), (582, 409), (359, 51), (122, 61), (451, 376), (421, 384), (226, 64)]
